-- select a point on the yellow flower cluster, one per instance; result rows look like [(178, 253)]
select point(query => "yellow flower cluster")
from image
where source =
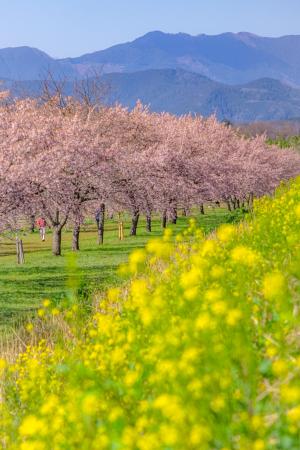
[(199, 351)]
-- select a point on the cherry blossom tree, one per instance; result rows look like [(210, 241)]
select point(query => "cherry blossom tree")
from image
[(64, 161)]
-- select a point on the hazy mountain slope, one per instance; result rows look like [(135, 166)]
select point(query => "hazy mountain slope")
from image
[(228, 57), (170, 90), (26, 63), (286, 48), (182, 92)]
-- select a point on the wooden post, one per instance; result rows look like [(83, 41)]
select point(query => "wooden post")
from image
[(17, 250), (20, 251), (22, 259), (121, 231), (120, 228)]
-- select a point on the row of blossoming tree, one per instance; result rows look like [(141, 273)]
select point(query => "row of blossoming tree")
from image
[(62, 162)]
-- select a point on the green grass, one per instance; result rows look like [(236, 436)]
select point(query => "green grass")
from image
[(286, 142), (23, 287)]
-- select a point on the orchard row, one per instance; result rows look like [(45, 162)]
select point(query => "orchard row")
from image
[(64, 162)]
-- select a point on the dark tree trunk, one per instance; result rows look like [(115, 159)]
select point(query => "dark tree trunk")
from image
[(237, 203), (56, 240), (218, 204), (32, 223), (229, 206), (173, 216), (251, 198), (100, 224), (164, 219), (184, 212), (202, 208), (134, 222), (75, 239), (148, 223)]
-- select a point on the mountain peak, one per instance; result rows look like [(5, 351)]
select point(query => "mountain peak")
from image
[(30, 63), (246, 33), (24, 49), (160, 37)]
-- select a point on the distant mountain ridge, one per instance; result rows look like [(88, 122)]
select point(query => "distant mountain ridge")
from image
[(182, 92), (238, 76), (231, 58)]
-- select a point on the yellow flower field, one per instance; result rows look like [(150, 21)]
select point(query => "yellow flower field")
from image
[(200, 349)]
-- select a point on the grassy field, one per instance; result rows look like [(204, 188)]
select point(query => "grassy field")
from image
[(23, 288)]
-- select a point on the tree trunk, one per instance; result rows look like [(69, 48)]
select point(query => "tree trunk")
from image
[(134, 222), (75, 239), (56, 240), (174, 216), (164, 219), (229, 206), (32, 223), (202, 208), (148, 223), (100, 224), (251, 198)]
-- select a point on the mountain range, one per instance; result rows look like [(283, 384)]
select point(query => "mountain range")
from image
[(238, 76), (231, 58)]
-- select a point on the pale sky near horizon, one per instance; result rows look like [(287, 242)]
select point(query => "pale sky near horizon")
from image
[(72, 27)]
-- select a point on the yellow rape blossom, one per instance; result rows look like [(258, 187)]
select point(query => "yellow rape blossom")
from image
[(293, 414), (274, 285), (31, 426), (290, 394), (225, 232), (244, 255), (90, 404), (259, 444), (233, 316)]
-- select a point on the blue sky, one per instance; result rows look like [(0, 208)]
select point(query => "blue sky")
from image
[(73, 27)]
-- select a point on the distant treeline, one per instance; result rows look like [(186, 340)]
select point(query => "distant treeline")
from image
[(284, 134), (272, 129)]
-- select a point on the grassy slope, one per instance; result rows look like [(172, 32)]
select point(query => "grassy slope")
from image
[(22, 288)]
